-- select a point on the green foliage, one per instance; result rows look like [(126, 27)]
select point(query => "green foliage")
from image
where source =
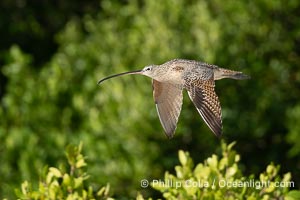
[(33, 24), (59, 183), (215, 178), (43, 109), (294, 129), (221, 178)]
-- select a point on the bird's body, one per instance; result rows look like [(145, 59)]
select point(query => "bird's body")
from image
[(176, 71), (198, 78)]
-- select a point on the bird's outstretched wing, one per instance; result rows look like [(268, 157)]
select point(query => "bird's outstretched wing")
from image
[(205, 99), (168, 100)]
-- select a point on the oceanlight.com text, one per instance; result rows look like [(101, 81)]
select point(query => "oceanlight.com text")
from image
[(217, 183)]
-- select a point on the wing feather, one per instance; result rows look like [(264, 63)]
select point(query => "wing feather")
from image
[(168, 100), (203, 95)]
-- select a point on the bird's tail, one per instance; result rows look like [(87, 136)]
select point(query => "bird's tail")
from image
[(220, 73)]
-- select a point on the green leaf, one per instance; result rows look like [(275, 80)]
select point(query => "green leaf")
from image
[(78, 182), (55, 172), (67, 180), (80, 163), (293, 195), (213, 161), (183, 157)]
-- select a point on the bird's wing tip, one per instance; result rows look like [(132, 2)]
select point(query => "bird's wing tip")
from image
[(170, 135), (243, 76), (218, 134)]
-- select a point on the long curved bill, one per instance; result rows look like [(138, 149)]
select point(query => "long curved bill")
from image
[(115, 75)]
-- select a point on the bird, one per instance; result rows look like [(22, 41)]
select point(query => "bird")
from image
[(198, 78)]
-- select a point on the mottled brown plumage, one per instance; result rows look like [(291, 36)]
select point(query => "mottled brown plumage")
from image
[(198, 78)]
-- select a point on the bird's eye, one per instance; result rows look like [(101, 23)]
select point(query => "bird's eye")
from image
[(148, 69)]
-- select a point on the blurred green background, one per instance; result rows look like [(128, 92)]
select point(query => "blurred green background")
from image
[(52, 54)]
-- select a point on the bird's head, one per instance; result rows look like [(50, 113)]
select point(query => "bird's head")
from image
[(149, 71)]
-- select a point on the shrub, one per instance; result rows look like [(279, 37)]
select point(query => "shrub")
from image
[(215, 178), (221, 178), (69, 184)]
